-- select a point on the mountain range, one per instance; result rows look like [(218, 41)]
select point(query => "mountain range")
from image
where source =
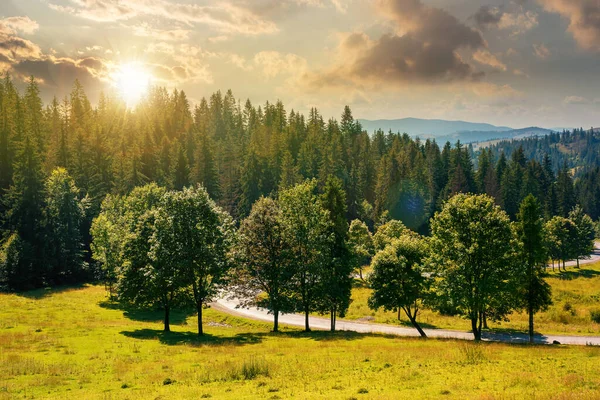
[(443, 130)]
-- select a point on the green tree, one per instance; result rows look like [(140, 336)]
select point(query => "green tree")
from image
[(337, 274), (536, 293), (561, 239), (307, 230), (264, 261), (388, 231), (190, 242), (584, 233), (361, 245), (65, 213), (472, 256), (398, 279)]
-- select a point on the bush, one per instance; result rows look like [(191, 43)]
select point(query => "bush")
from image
[(595, 316), (473, 353), (250, 369)]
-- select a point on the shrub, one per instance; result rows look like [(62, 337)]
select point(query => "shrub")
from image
[(595, 316), (250, 369), (472, 352)]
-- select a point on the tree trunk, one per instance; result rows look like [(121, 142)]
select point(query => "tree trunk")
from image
[(577, 262), (306, 324), (166, 321), (360, 274), (332, 314), (200, 329), (476, 331), (530, 310), (564, 267), (413, 321), (275, 320)]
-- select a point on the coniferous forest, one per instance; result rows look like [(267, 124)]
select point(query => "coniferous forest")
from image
[(59, 161)]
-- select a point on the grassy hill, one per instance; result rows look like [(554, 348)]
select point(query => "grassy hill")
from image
[(73, 343)]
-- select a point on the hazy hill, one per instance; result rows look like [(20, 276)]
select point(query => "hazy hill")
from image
[(452, 131), (428, 127)]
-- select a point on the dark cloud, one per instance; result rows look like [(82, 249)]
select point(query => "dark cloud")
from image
[(15, 47), (60, 73), (427, 51), (584, 17), (487, 16)]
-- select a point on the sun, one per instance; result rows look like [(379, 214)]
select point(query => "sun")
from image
[(132, 81)]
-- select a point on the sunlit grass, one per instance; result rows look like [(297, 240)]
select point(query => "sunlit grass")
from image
[(576, 295), (75, 344)]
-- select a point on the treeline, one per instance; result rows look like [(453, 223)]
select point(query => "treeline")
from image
[(238, 152), (576, 151), (297, 253)]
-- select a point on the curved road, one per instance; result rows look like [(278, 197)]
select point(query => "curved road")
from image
[(230, 307), (318, 323)]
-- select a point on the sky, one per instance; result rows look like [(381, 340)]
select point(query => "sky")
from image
[(514, 63)]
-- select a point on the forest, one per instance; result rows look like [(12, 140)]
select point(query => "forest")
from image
[(149, 200)]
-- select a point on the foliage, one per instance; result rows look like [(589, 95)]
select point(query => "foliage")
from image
[(398, 279), (388, 231), (307, 228), (189, 247), (561, 236), (360, 242), (65, 213), (584, 233), (535, 293), (264, 261), (471, 252)]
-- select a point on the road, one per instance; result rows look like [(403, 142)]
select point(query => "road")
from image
[(318, 323), (230, 306), (595, 256)]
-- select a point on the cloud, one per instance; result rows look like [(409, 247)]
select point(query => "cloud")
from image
[(59, 73), (424, 49), (273, 63), (13, 47), (226, 17), (575, 100), (493, 17), (176, 35), (484, 57), (13, 25), (518, 23), (584, 19), (487, 16), (541, 51)]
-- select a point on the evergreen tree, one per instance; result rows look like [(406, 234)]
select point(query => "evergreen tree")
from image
[(536, 293)]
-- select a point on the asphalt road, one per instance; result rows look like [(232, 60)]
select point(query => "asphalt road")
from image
[(318, 323)]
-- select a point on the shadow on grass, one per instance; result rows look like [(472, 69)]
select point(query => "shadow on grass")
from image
[(575, 273), (248, 338), (193, 339), (43, 293), (177, 317)]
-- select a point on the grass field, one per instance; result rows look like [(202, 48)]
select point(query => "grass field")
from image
[(74, 344), (576, 292)]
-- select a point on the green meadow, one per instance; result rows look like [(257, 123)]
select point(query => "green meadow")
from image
[(75, 344)]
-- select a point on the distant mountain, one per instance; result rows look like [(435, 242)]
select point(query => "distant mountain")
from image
[(428, 127), (486, 136), (443, 131)]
